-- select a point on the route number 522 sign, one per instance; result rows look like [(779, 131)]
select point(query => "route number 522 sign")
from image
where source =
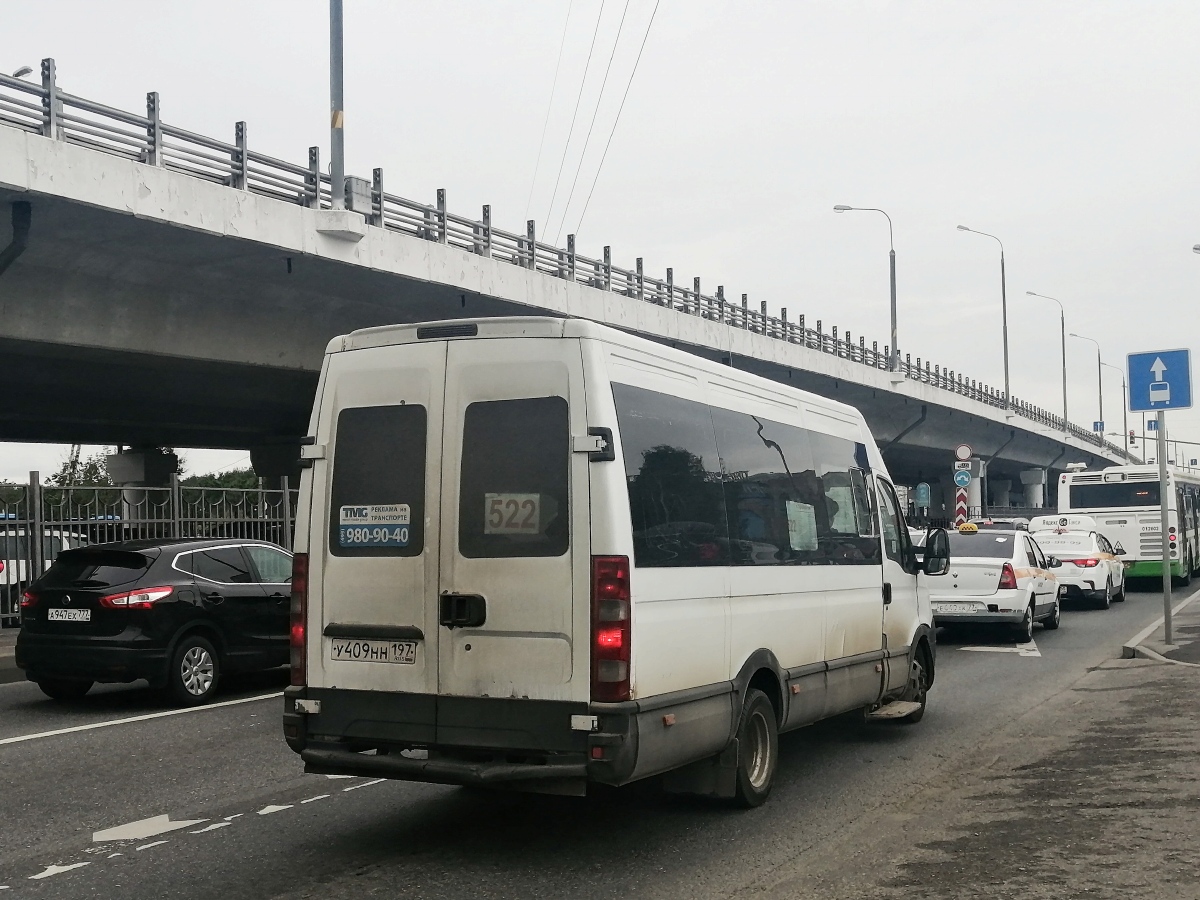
[(512, 513)]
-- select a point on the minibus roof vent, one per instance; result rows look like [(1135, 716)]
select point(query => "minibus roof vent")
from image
[(435, 332)]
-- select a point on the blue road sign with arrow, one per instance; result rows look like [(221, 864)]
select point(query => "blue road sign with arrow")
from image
[(962, 478), (1160, 380)]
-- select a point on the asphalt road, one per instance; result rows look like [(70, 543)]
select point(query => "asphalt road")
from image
[(259, 828)]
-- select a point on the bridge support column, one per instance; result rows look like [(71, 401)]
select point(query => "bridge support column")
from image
[(975, 491), (1034, 481), (275, 461), (1001, 491), (140, 468)]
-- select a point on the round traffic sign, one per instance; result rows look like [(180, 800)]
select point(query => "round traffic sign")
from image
[(962, 478), (963, 452)]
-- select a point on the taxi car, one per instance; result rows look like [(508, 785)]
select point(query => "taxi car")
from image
[(1091, 565), (997, 577)]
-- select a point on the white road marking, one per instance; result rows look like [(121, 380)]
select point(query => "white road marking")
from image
[(355, 787), (1029, 649), (115, 855), (267, 810), (146, 828), (339, 776), (234, 816), (55, 870), (158, 715), (212, 827), (314, 799), (152, 844)]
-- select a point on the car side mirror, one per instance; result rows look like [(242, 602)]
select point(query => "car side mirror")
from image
[(1054, 562), (937, 552)]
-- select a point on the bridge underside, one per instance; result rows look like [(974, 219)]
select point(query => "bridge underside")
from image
[(121, 329)]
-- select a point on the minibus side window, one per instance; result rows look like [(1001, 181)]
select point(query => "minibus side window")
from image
[(780, 511), (676, 498), (377, 499), (513, 492)]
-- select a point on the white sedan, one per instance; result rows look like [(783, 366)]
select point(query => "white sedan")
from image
[(1091, 565), (997, 578)]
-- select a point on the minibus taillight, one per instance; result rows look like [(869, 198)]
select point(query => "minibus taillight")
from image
[(296, 634), (1008, 578), (610, 628)]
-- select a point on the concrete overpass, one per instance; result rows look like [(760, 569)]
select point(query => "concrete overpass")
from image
[(163, 288)]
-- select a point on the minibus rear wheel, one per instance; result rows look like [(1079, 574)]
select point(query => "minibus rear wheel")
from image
[(758, 750)]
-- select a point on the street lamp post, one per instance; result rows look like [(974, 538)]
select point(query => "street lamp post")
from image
[(1003, 306), (1124, 407), (1099, 374), (895, 362), (337, 141), (1063, 324)]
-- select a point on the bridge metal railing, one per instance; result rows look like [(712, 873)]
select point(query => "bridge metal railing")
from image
[(66, 517), (46, 110)]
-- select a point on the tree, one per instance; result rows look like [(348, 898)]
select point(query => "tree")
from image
[(244, 479), (75, 472)]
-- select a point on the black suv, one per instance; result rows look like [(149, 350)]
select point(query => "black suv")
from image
[(178, 613)]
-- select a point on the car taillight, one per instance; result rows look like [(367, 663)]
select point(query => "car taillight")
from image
[(296, 634), (28, 599), (1084, 563), (1008, 578), (1, 566), (611, 633), (142, 598)]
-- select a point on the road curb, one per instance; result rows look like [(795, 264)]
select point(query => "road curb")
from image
[(1132, 648)]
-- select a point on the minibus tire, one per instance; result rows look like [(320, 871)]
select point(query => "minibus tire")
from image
[(758, 750), (65, 690), (919, 688)]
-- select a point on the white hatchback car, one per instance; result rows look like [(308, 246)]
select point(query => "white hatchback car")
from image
[(997, 578), (1091, 565)]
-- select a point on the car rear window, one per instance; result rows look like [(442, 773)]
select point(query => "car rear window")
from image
[(93, 567), (377, 505), (983, 544), (513, 497)]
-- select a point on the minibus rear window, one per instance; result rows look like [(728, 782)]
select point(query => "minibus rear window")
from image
[(377, 507), (513, 494)]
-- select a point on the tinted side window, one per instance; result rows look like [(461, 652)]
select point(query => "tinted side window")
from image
[(1030, 553), (225, 565), (273, 566), (377, 501), (676, 499), (852, 537), (1038, 555), (513, 493)]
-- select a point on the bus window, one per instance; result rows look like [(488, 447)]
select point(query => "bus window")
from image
[(1117, 495)]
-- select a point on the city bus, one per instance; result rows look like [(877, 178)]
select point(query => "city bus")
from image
[(1125, 502)]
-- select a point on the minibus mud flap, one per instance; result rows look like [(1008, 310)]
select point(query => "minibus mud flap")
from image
[(321, 761)]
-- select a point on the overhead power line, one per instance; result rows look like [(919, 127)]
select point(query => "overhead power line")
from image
[(608, 143), (591, 125), (571, 130), (549, 106)]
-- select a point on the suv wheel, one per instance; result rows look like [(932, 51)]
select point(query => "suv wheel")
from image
[(64, 689), (195, 671)]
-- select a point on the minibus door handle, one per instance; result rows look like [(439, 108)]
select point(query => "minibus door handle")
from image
[(461, 610), (887, 593)]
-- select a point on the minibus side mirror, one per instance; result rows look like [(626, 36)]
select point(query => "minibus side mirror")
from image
[(937, 552)]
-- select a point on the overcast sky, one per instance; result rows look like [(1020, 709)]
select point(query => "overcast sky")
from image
[(1068, 129)]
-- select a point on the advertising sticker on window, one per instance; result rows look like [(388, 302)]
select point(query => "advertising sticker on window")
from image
[(374, 526)]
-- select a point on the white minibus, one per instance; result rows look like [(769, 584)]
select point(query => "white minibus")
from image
[(539, 553)]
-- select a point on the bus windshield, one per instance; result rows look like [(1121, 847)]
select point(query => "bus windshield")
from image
[(1116, 495)]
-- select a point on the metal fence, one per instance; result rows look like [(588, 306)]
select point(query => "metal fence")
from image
[(38, 521), (46, 110)]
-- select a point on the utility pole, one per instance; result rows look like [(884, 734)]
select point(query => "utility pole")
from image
[(337, 146)]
